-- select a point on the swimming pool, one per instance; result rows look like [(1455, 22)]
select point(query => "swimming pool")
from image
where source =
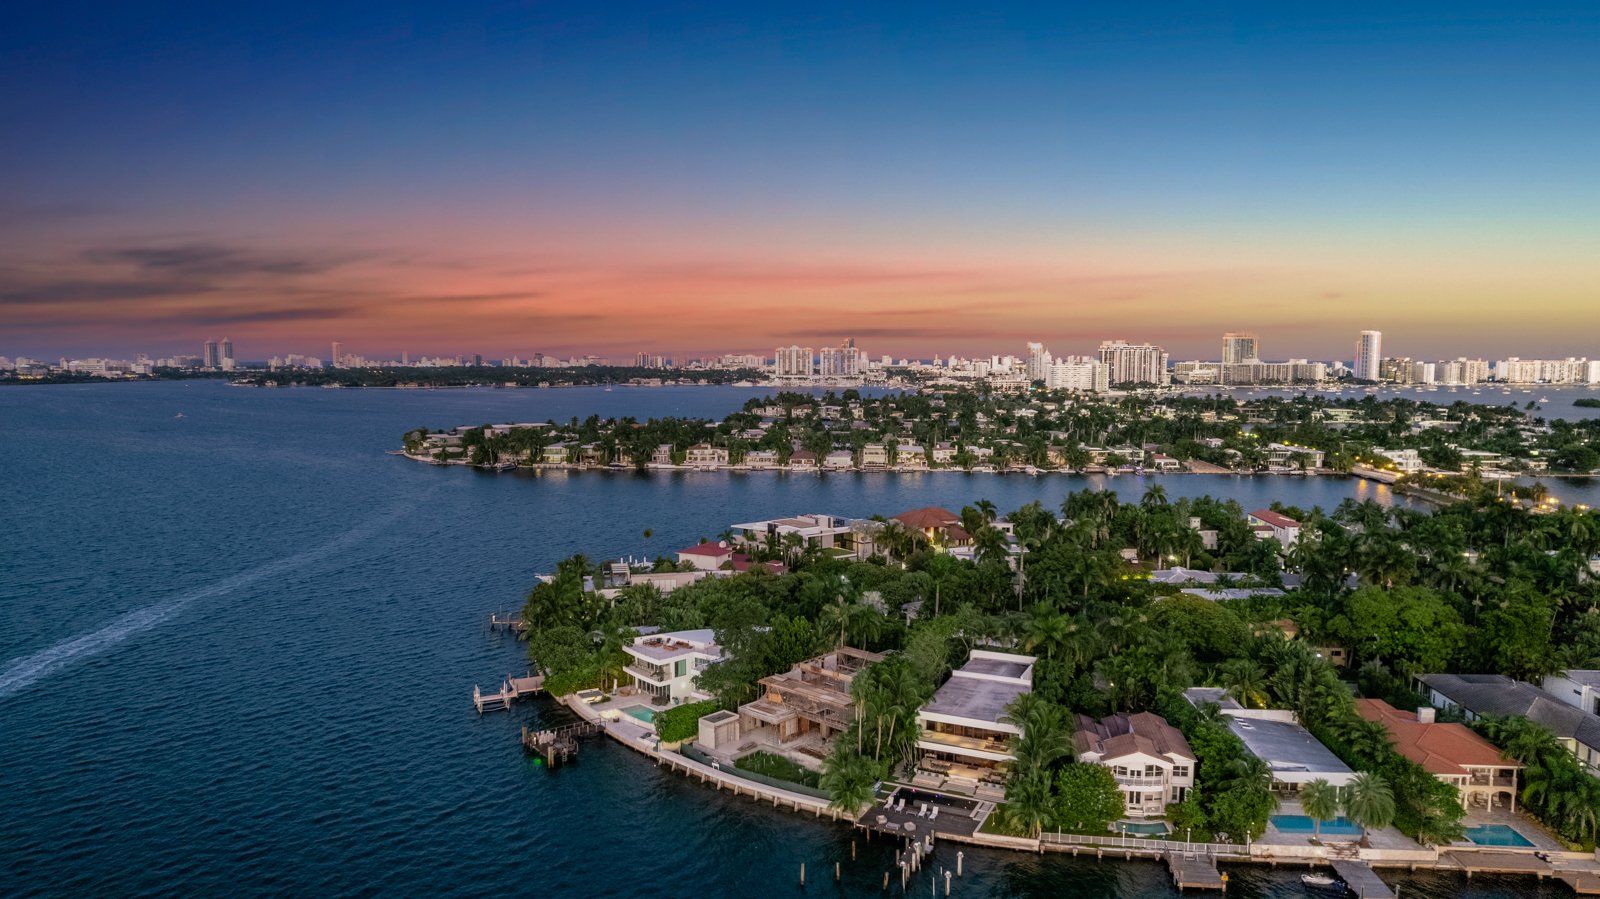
[(642, 712), (1142, 828), (1338, 827), (1498, 835)]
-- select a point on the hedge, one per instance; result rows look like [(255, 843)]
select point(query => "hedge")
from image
[(683, 722)]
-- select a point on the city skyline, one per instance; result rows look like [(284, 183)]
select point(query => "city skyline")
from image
[(736, 179)]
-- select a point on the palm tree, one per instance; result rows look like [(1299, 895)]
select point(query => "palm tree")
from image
[(848, 777), (1028, 802), (1320, 800), (1369, 802), (1246, 682)]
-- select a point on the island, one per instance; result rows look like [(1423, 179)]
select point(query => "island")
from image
[(1258, 685), (964, 429)]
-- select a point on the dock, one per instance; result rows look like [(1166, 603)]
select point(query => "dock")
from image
[(1584, 883), (1496, 863), (508, 620), (511, 690), (1195, 870), (1362, 881), (559, 745)]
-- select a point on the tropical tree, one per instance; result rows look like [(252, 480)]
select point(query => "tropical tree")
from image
[(1369, 801), (848, 776), (1320, 800)]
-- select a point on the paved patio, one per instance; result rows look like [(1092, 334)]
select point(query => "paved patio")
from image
[(955, 814), (1385, 838)]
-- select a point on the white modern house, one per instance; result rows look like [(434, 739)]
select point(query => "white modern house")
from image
[(1150, 759), (820, 531), (667, 666), (962, 725), (1575, 688)]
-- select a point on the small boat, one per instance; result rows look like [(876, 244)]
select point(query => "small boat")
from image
[(179, 415), (1323, 885)]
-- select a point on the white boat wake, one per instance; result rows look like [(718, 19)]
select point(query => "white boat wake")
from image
[(28, 670)]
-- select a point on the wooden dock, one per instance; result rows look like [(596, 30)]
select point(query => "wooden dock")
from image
[(508, 620), (559, 745), (1195, 870), (1363, 882), (511, 690)]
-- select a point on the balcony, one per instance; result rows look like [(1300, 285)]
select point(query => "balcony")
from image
[(1140, 781), (977, 744), (1483, 780), (652, 673)]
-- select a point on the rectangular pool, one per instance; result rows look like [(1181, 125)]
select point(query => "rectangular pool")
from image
[(1498, 835), (1338, 827), (641, 712), (1142, 828)]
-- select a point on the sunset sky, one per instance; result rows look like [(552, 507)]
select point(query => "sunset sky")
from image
[(691, 178)]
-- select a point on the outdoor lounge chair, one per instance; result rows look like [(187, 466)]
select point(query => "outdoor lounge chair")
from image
[(934, 814), (922, 810)]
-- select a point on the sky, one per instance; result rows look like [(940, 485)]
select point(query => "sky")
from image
[(691, 178)]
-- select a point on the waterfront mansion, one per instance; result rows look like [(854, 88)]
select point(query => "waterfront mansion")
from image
[(667, 666), (1150, 759)]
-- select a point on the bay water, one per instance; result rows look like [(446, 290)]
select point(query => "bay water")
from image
[(238, 643)]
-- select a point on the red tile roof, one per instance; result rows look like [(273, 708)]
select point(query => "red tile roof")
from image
[(927, 517), (1440, 748), (1268, 516), (707, 549)]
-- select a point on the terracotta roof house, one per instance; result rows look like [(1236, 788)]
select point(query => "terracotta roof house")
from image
[(1267, 523), (941, 526), (707, 556), (1451, 752), (1150, 759)]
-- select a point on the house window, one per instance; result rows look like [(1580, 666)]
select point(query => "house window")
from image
[(680, 668), (1180, 771)]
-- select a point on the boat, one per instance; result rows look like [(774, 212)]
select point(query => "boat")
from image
[(1323, 885), (179, 415)]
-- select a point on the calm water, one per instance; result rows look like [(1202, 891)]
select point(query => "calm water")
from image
[(236, 651)]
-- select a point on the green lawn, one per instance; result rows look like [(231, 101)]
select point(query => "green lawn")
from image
[(777, 766)]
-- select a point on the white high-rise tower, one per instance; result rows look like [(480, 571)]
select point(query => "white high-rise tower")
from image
[(1369, 355)]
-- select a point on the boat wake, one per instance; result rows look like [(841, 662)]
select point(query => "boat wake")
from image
[(28, 670)]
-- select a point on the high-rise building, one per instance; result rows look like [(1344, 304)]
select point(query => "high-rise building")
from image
[(338, 354), (1077, 373), (210, 358), (1133, 363), (1038, 362), (1239, 347), (1369, 356), (792, 362), (226, 359), (839, 362)]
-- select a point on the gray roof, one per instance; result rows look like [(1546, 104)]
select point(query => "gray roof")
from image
[(1496, 694), (971, 697), (1288, 749), (1586, 677), (996, 667), (1199, 696)]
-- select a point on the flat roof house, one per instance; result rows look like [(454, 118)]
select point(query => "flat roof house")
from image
[(1477, 695), (1150, 759), (1481, 773), (963, 735), (1577, 688), (666, 666), (1275, 736), (813, 697)]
